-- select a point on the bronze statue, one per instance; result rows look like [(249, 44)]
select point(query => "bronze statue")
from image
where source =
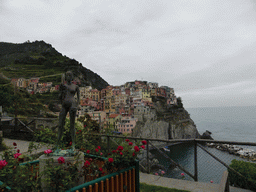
[(69, 104)]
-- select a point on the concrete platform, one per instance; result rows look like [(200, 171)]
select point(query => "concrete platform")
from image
[(183, 184)]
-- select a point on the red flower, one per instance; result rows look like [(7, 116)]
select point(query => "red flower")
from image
[(18, 150), (3, 163), (120, 148), (110, 160), (133, 154), (136, 148), (99, 147), (88, 151), (114, 151), (127, 140), (84, 125), (70, 143), (130, 143), (77, 132), (16, 155), (14, 144), (100, 169), (87, 163), (96, 150), (48, 151), (144, 142), (80, 130), (61, 160), (142, 146), (121, 153)]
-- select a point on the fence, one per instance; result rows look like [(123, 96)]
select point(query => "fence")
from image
[(190, 159)]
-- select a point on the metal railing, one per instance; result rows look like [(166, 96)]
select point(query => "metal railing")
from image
[(204, 157)]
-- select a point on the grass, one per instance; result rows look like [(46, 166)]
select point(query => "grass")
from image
[(153, 188)]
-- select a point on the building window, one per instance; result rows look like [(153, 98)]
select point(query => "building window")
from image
[(127, 129)]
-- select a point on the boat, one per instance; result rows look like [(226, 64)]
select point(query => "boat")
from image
[(166, 148)]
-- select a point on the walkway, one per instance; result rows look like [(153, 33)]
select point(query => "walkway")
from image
[(183, 184), (23, 146)]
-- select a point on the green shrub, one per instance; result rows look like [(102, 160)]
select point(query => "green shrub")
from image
[(248, 170)]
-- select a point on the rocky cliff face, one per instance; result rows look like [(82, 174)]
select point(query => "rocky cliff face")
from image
[(169, 122)]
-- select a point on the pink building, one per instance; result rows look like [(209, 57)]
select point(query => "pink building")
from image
[(126, 125)]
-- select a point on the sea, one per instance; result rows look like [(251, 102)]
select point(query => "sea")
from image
[(225, 124)]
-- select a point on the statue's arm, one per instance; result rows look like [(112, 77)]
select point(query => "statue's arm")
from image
[(61, 94), (78, 96)]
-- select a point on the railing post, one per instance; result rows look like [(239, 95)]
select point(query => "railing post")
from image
[(148, 167), (195, 161)]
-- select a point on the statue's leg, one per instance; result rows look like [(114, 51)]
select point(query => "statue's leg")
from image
[(62, 118), (72, 113)]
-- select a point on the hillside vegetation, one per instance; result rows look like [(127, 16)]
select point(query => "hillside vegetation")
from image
[(37, 59)]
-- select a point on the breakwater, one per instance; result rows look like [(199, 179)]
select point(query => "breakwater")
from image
[(243, 152)]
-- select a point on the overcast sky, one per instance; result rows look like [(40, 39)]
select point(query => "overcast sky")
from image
[(204, 49)]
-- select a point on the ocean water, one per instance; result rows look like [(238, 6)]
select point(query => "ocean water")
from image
[(226, 124)]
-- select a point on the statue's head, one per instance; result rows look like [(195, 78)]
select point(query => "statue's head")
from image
[(69, 76)]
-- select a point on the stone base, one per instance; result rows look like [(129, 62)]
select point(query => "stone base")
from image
[(42, 164)]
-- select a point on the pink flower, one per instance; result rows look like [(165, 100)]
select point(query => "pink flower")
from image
[(162, 172), (127, 140), (156, 173), (3, 163), (110, 160), (121, 153), (99, 147), (61, 160), (97, 150), (144, 142), (133, 154), (211, 181), (88, 151), (101, 153), (182, 174), (120, 148), (87, 163), (100, 169), (136, 148), (16, 155), (48, 151), (130, 143), (142, 146)]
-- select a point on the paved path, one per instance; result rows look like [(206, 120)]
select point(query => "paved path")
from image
[(183, 184), (23, 146)]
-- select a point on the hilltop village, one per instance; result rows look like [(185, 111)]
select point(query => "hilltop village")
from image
[(116, 107)]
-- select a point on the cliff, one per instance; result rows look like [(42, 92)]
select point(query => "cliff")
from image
[(166, 122)]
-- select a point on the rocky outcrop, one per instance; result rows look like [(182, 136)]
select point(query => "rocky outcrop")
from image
[(169, 122)]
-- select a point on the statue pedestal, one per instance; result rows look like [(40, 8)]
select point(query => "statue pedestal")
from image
[(42, 165)]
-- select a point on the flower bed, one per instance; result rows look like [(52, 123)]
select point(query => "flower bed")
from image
[(119, 170)]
